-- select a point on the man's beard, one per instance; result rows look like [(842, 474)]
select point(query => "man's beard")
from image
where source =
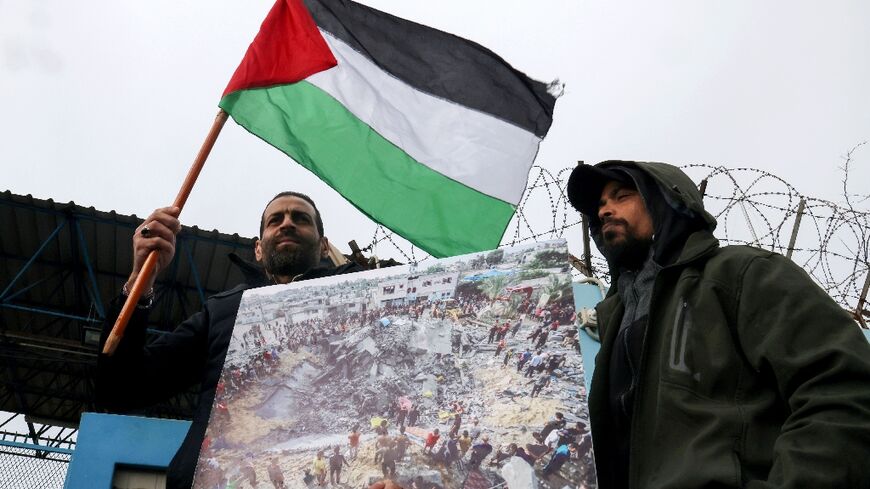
[(289, 263), (628, 253)]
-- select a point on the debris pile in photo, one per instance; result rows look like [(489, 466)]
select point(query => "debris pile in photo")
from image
[(435, 355)]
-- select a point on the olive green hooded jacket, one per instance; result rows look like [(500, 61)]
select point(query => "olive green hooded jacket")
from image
[(750, 374)]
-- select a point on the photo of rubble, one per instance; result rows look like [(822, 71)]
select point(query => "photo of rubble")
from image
[(459, 373)]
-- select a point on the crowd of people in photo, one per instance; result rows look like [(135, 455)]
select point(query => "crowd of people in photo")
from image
[(261, 355), (458, 444)]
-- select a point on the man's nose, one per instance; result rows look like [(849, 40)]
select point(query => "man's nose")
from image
[(287, 223), (604, 210)]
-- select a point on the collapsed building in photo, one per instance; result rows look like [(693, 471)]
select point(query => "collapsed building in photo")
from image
[(346, 380)]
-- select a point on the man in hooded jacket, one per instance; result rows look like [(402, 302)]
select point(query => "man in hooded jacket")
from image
[(719, 366)]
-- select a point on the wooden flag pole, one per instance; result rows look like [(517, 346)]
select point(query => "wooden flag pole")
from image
[(150, 264)]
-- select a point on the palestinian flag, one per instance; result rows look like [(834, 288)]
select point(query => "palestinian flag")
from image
[(431, 135)]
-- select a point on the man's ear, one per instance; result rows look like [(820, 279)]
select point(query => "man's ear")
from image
[(324, 247), (258, 251)]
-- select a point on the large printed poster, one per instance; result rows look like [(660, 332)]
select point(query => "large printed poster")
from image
[(460, 373)]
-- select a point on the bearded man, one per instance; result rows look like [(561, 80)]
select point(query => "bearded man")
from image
[(290, 248), (719, 366)]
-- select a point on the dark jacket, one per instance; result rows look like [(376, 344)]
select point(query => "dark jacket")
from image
[(749, 374), (138, 375)]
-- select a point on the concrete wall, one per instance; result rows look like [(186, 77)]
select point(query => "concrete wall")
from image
[(139, 446)]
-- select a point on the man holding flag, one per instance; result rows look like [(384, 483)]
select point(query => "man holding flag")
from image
[(290, 249)]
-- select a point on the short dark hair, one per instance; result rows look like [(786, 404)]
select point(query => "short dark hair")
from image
[(317, 220)]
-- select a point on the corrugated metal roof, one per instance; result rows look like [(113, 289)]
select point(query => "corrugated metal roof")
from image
[(60, 265)]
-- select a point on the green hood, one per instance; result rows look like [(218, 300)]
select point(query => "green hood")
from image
[(679, 191), (671, 197)]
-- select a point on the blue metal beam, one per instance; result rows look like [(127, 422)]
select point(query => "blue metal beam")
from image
[(39, 448), (49, 312), (32, 259), (95, 291), (186, 245), (34, 284)]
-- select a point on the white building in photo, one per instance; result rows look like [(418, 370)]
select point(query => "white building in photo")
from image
[(391, 291), (416, 288), (437, 287), (314, 308)]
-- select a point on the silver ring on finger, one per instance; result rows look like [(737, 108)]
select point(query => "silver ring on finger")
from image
[(145, 232)]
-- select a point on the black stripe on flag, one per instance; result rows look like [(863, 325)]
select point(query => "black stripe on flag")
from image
[(438, 63)]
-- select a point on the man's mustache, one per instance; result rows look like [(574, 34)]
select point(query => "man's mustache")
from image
[(614, 220), (288, 233)]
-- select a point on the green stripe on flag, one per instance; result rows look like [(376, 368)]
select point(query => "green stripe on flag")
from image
[(437, 214)]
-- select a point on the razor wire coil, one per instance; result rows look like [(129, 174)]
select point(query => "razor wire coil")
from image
[(753, 207)]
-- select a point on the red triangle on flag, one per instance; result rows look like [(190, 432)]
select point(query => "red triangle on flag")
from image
[(288, 48)]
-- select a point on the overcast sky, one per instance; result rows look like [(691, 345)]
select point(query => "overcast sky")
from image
[(106, 103)]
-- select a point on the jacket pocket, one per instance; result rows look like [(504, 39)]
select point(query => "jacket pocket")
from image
[(698, 351), (680, 354)]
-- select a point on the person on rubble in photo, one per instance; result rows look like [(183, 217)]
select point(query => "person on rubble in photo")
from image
[(542, 338), (534, 363), (464, 443), (503, 453), (318, 468), (413, 415), (457, 423), (388, 460), (507, 357), (533, 336), (248, 470), (475, 428), (336, 462), (439, 455), (480, 451), (291, 247), (524, 357), (382, 442), (521, 453), (720, 366), (555, 326), (561, 455), (353, 441), (431, 440), (517, 325), (452, 451), (542, 381), (275, 474), (503, 331), (402, 414), (557, 423), (382, 430), (492, 332), (555, 361), (402, 443), (499, 347)]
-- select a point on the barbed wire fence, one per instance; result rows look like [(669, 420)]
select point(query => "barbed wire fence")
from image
[(828, 239)]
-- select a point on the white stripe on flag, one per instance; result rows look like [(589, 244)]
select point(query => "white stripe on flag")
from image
[(485, 153)]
